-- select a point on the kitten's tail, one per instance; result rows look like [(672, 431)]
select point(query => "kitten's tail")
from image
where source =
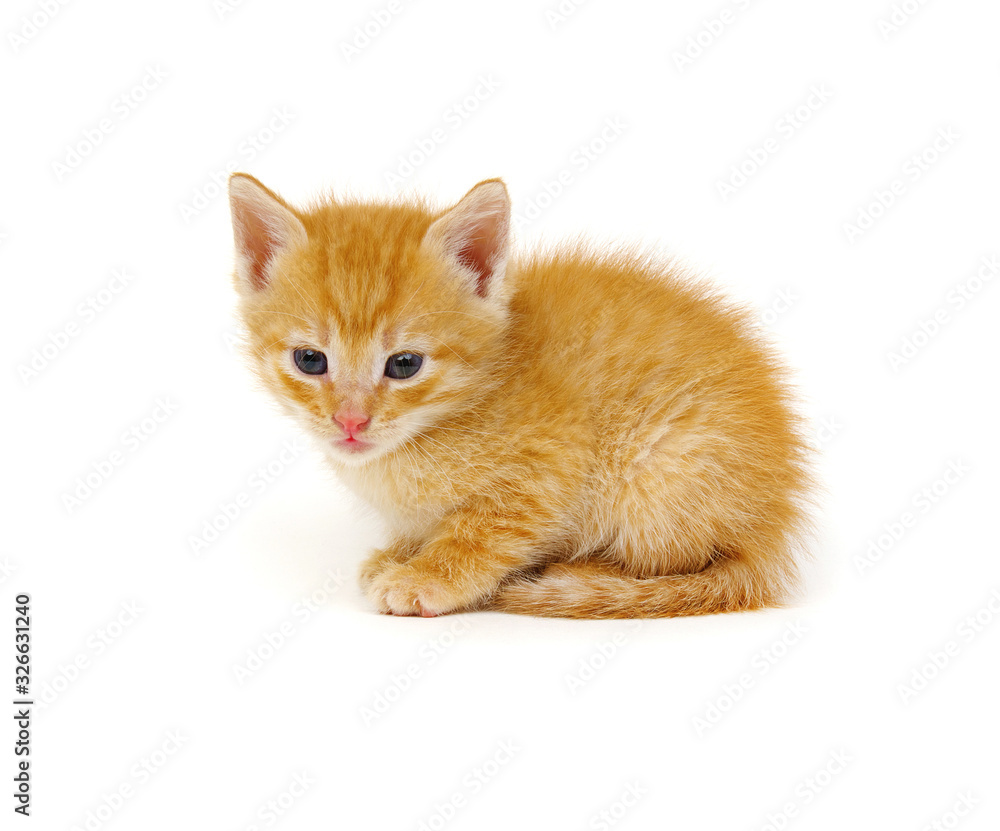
[(595, 589)]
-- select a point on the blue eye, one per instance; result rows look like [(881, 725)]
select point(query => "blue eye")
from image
[(310, 361), (403, 365)]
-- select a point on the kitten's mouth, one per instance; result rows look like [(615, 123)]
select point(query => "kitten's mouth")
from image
[(353, 445)]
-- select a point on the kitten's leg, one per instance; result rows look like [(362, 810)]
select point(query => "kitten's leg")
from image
[(461, 566), (398, 551)]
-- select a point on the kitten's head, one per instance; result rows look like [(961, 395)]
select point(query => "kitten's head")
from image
[(371, 322)]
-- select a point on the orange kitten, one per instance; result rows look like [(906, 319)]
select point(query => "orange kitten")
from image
[(577, 434)]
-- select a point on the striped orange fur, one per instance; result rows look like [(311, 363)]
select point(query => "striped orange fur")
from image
[(587, 433)]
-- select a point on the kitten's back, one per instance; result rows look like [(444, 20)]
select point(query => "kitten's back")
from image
[(696, 466)]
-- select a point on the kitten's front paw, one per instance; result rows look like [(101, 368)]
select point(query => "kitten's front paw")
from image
[(381, 559), (412, 589), (377, 562)]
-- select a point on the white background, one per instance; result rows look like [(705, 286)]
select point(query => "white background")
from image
[(830, 714)]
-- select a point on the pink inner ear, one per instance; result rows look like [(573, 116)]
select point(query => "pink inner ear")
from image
[(477, 253), (478, 243), (258, 242)]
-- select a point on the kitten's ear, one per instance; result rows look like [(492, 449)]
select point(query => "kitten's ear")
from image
[(475, 234), (263, 225)]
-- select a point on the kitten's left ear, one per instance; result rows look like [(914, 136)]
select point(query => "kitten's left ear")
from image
[(475, 234), (263, 226)]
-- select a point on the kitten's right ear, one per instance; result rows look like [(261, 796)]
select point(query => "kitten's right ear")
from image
[(263, 226), (475, 234)]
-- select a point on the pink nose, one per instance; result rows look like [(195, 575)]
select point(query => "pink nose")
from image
[(351, 422)]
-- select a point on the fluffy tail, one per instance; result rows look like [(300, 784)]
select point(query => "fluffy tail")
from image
[(594, 589)]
